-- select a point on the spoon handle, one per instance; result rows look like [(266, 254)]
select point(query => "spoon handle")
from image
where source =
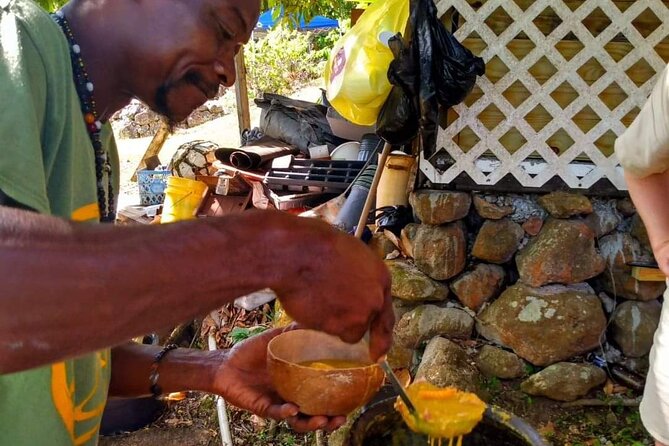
[(397, 386)]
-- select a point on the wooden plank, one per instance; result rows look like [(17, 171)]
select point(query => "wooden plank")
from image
[(563, 95), (513, 140), (601, 108), (643, 274), (590, 72), (154, 148), (547, 21), (242, 93)]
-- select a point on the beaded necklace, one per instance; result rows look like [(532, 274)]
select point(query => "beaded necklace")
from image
[(85, 89)]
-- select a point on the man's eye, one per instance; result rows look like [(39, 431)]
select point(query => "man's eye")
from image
[(224, 33)]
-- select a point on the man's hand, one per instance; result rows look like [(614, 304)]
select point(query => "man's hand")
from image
[(649, 195), (336, 285), (661, 254), (243, 381)]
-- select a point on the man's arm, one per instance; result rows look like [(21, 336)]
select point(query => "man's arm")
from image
[(69, 289), (181, 369), (239, 375), (649, 195)]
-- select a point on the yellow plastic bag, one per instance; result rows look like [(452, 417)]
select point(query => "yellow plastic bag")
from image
[(356, 77)]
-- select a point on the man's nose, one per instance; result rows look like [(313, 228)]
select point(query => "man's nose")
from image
[(225, 69)]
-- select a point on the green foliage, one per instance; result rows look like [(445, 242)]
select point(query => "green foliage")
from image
[(617, 426), (51, 5), (338, 9), (323, 43), (530, 369), (493, 385), (239, 334), (284, 60)]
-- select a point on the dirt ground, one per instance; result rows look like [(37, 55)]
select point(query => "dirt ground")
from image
[(193, 422)]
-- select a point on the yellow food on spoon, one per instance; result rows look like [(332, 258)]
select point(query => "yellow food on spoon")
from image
[(441, 412)]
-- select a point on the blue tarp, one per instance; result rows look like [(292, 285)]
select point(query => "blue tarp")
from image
[(319, 22)]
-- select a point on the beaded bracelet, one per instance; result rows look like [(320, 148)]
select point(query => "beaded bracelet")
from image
[(156, 391)]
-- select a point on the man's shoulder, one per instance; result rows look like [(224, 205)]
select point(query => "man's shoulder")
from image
[(32, 20), (32, 39), (25, 10)]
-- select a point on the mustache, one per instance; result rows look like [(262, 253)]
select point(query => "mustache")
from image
[(196, 79), (193, 78)]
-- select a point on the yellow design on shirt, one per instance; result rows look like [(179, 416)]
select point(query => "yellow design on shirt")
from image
[(85, 213), (73, 412), (62, 396)]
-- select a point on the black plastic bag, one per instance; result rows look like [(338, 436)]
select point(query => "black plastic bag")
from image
[(433, 70), (392, 218), (397, 122), (456, 68)]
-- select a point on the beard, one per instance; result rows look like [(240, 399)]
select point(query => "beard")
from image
[(163, 93)]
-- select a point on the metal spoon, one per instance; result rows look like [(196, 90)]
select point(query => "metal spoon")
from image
[(399, 388)]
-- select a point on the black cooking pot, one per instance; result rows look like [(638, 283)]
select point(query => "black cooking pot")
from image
[(381, 425)]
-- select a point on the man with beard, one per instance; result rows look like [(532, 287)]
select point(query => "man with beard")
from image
[(74, 293)]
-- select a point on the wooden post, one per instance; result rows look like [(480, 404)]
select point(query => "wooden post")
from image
[(156, 144), (646, 274), (369, 203), (242, 93)]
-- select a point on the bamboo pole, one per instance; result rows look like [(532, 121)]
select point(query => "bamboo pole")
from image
[(369, 203), (154, 148), (242, 93)]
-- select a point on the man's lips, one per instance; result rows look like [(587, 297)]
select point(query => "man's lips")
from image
[(208, 91)]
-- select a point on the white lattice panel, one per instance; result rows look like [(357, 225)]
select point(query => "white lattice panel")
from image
[(535, 162)]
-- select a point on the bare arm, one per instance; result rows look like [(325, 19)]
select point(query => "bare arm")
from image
[(70, 289), (651, 198), (182, 369), (239, 375)]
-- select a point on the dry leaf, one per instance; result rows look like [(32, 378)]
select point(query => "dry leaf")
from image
[(547, 429), (403, 376), (399, 244), (406, 245), (393, 255)]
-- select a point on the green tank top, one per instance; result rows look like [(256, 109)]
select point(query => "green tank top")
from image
[(47, 163)]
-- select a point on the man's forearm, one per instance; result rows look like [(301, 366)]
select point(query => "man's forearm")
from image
[(70, 289), (651, 198), (180, 370)]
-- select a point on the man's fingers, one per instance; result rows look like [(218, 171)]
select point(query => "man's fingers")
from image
[(353, 334), (335, 423), (281, 411), (349, 325), (381, 329), (303, 423)]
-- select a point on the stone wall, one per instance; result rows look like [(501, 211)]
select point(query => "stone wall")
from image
[(507, 285), (137, 121)]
